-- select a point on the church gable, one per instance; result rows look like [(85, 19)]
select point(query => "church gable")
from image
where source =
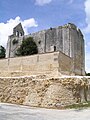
[(18, 30)]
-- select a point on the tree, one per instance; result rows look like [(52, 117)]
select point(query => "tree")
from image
[(28, 47), (2, 52), (87, 74)]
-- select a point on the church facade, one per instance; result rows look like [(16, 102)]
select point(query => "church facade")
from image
[(67, 39)]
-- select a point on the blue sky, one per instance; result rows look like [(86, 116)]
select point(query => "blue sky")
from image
[(36, 15)]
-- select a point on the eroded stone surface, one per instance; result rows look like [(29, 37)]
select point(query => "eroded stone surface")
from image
[(47, 92)]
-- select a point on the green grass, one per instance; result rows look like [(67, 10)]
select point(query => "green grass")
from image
[(79, 105)]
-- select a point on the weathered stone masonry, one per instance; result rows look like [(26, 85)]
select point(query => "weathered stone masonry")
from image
[(60, 52), (52, 64), (67, 39), (44, 92)]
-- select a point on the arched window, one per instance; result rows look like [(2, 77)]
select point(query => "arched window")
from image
[(21, 34), (54, 48), (17, 34)]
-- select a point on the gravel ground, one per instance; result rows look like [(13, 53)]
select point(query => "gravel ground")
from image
[(16, 112)]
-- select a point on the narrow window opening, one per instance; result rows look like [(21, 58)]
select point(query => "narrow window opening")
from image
[(54, 48), (50, 28), (17, 34), (39, 42), (21, 34)]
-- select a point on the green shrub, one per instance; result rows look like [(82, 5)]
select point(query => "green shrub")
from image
[(87, 74), (28, 47), (2, 52)]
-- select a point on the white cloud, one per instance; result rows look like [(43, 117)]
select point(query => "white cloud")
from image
[(87, 57), (70, 1), (6, 29), (87, 11), (88, 44), (42, 2), (87, 63), (86, 31)]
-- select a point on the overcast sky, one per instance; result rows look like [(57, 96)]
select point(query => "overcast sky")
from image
[(36, 15)]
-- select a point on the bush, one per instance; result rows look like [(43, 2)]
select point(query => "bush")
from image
[(87, 74), (2, 52), (28, 47)]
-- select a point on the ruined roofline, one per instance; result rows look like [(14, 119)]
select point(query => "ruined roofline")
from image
[(68, 25), (10, 36)]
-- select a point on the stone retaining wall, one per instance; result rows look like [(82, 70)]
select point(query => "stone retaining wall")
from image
[(44, 92), (54, 63)]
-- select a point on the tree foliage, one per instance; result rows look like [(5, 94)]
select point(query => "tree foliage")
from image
[(2, 52), (87, 74), (28, 47)]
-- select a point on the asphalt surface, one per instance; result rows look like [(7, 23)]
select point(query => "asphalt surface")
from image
[(15, 112)]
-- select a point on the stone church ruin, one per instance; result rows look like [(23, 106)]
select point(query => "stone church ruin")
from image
[(59, 49)]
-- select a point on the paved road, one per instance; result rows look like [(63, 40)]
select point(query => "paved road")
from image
[(15, 112)]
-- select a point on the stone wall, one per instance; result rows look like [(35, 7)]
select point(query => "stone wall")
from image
[(49, 63), (67, 39), (12, 48), (77, 51), (44, 92), (66, 65)]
